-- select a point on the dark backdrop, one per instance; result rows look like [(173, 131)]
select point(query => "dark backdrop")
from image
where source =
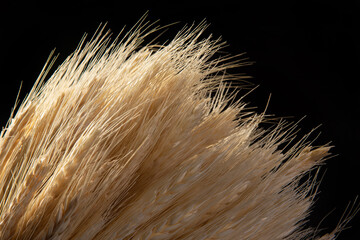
[(306, 56)]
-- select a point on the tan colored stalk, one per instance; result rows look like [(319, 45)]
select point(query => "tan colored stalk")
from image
[(125, 142)]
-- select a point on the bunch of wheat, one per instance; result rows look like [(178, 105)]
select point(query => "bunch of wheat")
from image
[(126, 141)]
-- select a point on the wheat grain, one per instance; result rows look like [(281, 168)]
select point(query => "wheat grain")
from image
[(125, 142)]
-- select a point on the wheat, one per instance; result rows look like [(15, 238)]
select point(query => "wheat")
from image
[(124, 141)]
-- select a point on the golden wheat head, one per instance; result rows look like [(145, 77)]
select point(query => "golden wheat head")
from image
[(133, 141)]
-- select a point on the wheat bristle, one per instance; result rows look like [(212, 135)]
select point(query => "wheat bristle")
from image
[(124, 141)]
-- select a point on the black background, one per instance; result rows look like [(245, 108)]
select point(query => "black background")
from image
[(306, 55)]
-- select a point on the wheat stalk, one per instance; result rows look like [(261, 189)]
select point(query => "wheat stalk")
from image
[(125, 142)]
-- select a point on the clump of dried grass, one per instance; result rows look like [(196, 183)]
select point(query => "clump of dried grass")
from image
[(125, 142)]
